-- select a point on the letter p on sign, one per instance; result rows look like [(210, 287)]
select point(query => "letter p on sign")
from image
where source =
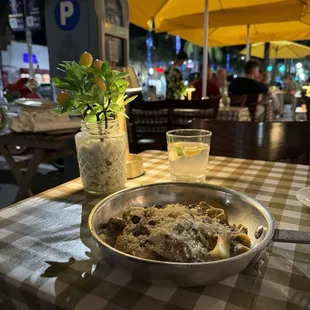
[(67, 14), (66, 10)]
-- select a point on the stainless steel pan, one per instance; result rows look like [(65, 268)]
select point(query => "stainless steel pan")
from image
[(240, 208)]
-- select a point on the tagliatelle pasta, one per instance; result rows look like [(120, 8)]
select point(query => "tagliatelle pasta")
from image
[(176, 233)]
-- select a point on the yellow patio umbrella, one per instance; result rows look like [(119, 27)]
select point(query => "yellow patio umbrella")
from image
[(285, 20), (237, 35), (190, 19), (160, 11), (279, 49)]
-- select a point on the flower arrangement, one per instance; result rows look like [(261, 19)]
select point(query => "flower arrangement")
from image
[(91, 89)]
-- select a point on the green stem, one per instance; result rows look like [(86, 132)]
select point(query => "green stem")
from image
[(105, 120), (99, 126), (109, 103), (88, 109)]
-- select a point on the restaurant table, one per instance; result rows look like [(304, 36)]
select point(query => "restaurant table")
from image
[(48, 259), (300, 113), (45, 148)]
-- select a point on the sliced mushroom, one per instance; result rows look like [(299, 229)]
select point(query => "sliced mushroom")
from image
[(222, 247)]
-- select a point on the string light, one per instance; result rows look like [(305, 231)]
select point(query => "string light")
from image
[(177, 44), (149, 47), (227, 62)]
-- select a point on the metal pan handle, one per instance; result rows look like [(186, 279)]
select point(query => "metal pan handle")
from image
[(291, 236)]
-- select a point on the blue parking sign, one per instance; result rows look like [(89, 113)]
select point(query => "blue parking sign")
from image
[(67, 14)]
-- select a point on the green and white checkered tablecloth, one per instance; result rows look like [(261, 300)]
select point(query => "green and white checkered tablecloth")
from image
[(48, 259)]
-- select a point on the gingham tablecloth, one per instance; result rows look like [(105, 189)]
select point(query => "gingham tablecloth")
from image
[(49, 261)]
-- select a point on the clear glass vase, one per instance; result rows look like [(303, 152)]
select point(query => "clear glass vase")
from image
[(101, 151)]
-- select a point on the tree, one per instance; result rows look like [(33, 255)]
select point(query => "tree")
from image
[(138, 49), (215, 54), (164, 47)]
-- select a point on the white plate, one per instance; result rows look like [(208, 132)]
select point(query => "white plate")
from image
[(36, 103), (303, 195)]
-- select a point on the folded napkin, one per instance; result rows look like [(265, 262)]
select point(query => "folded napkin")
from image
[(17, 125), (56, 125), (42, 122)]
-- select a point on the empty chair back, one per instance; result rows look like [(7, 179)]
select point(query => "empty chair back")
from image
[(251, 103), (149, 123), (270, 141), (183, 111)]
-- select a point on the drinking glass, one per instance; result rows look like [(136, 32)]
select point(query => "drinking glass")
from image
[(303, 195), (188, 151)]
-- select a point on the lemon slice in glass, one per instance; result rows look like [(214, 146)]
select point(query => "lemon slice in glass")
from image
[(175, 153), (192, 151)]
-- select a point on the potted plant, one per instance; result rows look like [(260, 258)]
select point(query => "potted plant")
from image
[(180, 90), (96, 92)]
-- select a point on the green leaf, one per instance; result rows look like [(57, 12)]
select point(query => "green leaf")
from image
[(77, 70), (59, 80), (96, 110), (122, 85), (124, 114), (91, 118), (120, 75), (128, 100), (63, 84), (88, 99), (56, 110), (105, 66)]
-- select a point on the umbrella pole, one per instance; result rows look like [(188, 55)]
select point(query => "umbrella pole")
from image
[(205, 51), (29, 43), (248, 45)]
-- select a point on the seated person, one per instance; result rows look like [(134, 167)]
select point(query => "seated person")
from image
[(212, 87), (263, 78), (220, 77), (249, 85), (289, 91)]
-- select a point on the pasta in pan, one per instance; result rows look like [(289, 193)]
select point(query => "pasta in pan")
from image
[(176, 233)]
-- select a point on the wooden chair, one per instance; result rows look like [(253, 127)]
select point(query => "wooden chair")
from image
[(183, 111), (238, 100), (251, 103), (149, 123), (46, 148), (270, 141)]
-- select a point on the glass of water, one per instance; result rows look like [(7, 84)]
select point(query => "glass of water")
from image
[(188, 151)]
